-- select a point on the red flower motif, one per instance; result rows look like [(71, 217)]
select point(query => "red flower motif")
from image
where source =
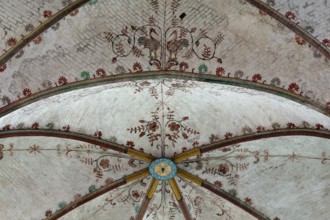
[(248, 200), (37, 40), (100, 72), (62, 80), (256, 77), (218, 183), (326, 42), (319, 126), (290, 15), (11, 41), (35, 125), (219, 71), (153, 126), (174, 126), (290, 125), (195, 144), (47, 13), (130, 144), (228, 135), (98, 134), (262, 12), (183, 66), (137, 67), (27, 92), (300, 40), (48, 213), (105, 163), (74, 13), (198, 201), (223, 168), (66, 128), (3, 67), (184, 149), (136, 194), (6, 127), (185, 136), (260, 128), (293, 87)]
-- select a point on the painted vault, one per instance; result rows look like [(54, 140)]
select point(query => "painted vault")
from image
[(164, 109)]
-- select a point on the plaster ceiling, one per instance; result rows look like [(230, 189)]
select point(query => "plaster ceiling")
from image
[(236, 93)]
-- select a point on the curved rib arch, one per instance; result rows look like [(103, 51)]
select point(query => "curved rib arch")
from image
[(250, 137), (79, 137), (156, 74)]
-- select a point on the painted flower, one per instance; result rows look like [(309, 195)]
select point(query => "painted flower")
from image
[(48, 213), (326, 42), (135, 194), (62, 80), (223, 169), (137, 67), (6, 127), (11, 41), (27, 92), (228, 135), (183, 66), (319, 126), (260, 128), (248, 200), (35, 125), (290, 15), (202, 69), (47, 13), (291, 125), (37, 40), (3, 67), (105, 163), (174, 126), (218, 183), (262, 12), (153, 126), (74, 13), (130, 144), (293, 87), (92, 188), (101, 72), (219, 71), (256, 77), (198, 201), (300, 40), (185, 136)]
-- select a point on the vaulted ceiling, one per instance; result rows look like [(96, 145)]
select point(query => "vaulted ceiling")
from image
[(235, 92)]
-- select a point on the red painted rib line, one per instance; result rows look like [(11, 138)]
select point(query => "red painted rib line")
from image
[(185, 210), (40, 29), (155, 75), (266, 134), (65, 135), (87, 198), (292, 26), (236, 201), (143, 208)]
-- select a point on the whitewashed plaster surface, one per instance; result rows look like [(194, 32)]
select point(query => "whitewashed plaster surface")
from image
[(39, 173), (184, 113), (287, 177), (252, 44)]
